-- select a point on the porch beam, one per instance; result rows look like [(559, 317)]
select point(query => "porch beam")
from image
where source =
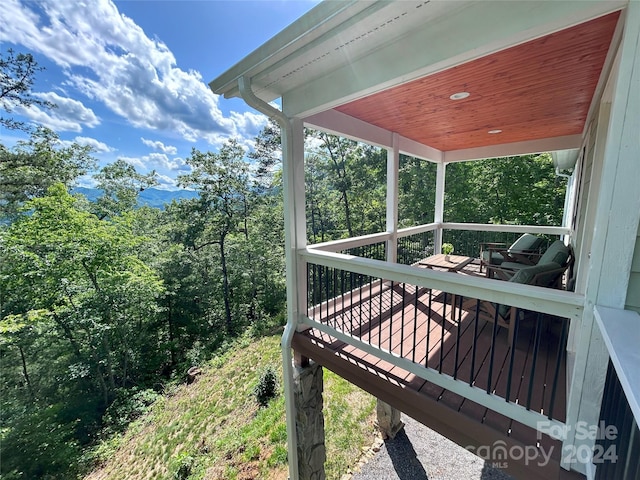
[(545, 300), (566, 142), (338, 123)]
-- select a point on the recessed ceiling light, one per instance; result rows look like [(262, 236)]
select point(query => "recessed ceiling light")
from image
[(497, 130), (459, 95)]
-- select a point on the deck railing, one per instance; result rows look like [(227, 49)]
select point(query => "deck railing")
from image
[(414, 247), (617, 450), (413, 318), (466, 238)]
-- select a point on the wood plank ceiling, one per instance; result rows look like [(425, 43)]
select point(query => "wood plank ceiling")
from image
[(539, 89)]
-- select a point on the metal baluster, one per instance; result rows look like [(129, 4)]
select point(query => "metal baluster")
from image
[(404, 294), (556, 373), (536, 347), (370, 306), (513, 353), (444, 313), (475, 344), (391, 317), (426, 359), (455, 367), (415, 326), (493, 348)]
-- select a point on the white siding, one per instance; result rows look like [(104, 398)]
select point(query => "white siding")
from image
[(633, 292)]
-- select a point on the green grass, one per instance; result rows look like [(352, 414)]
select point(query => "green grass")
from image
[(214, 428)]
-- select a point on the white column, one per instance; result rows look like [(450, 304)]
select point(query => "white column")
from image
[(393, 166), (616, 226), (439, 206), (296, 276)]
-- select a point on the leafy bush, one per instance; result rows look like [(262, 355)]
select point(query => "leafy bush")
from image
[(128, 405), (182, 466), (267, 386)]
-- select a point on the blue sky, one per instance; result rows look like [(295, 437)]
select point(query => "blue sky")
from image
[(130, 77)]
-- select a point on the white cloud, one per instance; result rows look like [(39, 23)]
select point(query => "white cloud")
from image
[(161, 160), (157, 145), (133, 75), (166, 183), (157, 161), (97, 145), (69, 115), (135, 161)]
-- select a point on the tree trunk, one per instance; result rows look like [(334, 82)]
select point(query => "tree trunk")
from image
[(110, 375), (225, 285), (347, 213), (172, 347), (26, 373)]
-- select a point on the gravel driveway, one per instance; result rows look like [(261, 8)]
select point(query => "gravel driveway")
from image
[(419, 453)]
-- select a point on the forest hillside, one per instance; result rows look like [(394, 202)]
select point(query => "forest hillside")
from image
[(106, 304), (215, 427)]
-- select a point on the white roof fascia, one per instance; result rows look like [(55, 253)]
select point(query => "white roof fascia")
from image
[(323, 18), (480, 29), (338, 123), (552, 144)]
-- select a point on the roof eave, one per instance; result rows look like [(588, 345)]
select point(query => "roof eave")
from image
[(322, 18)]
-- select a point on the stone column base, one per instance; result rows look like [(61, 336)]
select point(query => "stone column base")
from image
[(388, 421), (308, 388)]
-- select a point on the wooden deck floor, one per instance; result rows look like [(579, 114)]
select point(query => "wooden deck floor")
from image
[(418, 325)]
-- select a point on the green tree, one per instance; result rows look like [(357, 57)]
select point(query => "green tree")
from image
[(17, 74), (29, 169), (77, 323), (121, 184), (222, 208)]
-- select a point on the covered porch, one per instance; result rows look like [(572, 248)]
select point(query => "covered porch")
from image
[(498, 79)]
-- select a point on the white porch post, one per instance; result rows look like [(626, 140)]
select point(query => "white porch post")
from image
[(295, 237), (616, 225), (439, 207), (393, 166)]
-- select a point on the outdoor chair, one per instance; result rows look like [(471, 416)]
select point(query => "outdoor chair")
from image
[(558, 253), (523, 250), (546, 273)]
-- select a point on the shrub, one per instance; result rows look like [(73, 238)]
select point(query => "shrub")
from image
[(267, 386), (182, 466)]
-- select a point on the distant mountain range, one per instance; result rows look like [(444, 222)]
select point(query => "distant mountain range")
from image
[(151, 197)]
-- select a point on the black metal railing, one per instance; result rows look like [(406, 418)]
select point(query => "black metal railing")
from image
[(414, 248), (448, 333), (617, 451), (467, 242), (373, 251)]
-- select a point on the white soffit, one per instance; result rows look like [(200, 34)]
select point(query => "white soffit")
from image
[(441, 39), (343, 50)]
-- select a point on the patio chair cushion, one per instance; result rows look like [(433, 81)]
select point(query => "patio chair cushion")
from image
[(513, 266), (526, 242), (496, 257), (527, 275), (558, 253)]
